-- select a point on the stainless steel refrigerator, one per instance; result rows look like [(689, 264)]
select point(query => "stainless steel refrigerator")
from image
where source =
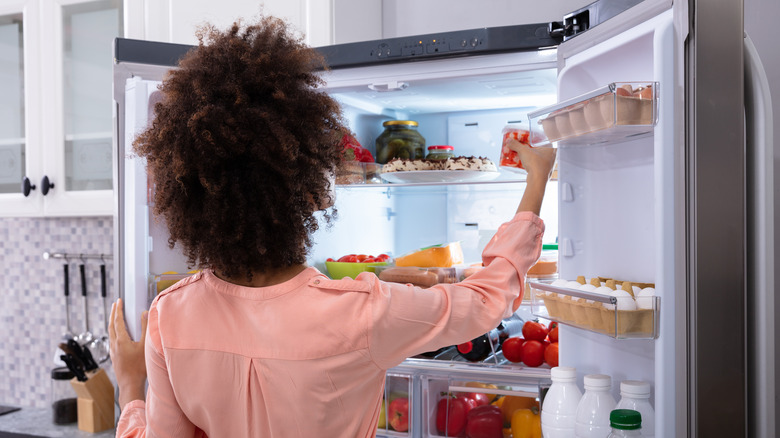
[(686, 202)]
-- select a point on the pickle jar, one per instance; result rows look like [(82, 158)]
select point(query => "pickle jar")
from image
[(440, 152), (400, 139)]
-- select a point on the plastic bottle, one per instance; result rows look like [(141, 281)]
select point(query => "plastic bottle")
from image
[(635, 395), (594, 408), (625, 423), (559, 409)]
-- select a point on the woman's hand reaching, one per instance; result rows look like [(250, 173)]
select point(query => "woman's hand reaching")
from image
[(127, 356), (538, 162)]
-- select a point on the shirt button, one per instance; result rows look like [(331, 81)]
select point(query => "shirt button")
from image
[(484, 300), (316, 282)]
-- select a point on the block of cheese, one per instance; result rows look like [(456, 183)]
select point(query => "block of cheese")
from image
[(439, 256)]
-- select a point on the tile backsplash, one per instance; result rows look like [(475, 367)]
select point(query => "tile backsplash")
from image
[(32, 300)]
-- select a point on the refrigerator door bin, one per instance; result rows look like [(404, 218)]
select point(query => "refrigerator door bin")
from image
[(617, 111), (596, 312), (397, 402)]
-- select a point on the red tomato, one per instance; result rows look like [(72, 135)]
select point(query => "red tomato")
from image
[(485, 422), (451, 417), (552, 325), (513, 349), (347, 258), (551, 354), (368, 259), (329, 259), (533, 353), (534, 331), (553, 334), (361, 257)]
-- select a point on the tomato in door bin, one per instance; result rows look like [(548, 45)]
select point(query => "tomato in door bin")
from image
[(551, 354), (534, 331)]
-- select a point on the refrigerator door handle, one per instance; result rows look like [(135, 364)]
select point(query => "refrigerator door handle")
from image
[(760, 245)]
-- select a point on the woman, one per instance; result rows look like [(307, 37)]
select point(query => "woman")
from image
[(257, 343)]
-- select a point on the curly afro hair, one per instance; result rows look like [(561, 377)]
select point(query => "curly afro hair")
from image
[(242, 148)]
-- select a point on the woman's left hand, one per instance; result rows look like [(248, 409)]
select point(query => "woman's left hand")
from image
[(127, 356)]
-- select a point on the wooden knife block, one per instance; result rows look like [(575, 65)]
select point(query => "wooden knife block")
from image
[(95, 402)]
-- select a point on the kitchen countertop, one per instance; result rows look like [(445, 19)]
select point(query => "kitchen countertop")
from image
[(38, 422)]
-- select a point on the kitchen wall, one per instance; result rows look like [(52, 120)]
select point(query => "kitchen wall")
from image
[(32, 302)]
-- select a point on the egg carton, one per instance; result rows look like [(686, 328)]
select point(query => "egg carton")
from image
[(615, 111), (595, 312)]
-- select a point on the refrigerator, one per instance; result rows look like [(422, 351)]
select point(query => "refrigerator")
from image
[(683, 199)]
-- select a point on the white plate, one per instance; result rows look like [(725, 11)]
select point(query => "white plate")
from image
[(438, 176)]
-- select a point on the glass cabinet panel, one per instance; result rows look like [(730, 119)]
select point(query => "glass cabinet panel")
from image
[(12, 124), (89, 31)]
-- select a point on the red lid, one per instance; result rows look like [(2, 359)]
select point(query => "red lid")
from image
[(441, 147), (465, 347)]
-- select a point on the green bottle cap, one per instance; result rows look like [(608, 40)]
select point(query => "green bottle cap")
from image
[(625, 419)]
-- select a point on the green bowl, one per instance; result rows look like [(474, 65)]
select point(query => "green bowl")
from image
[(339, 270)]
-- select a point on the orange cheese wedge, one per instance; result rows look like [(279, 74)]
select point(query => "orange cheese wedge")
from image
[(441, 256)]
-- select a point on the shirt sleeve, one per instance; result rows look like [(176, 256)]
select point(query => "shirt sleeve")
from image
[(408, 320), (160, 415)]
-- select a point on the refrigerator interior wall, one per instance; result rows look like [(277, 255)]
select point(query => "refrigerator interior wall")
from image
[(614, 215)]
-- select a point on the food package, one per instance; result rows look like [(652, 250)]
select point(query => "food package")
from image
[(509, 157), (438, 256)]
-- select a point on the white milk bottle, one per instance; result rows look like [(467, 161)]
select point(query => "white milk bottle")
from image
[(593, 411), (625, 424), (635, 395), (559, 408)]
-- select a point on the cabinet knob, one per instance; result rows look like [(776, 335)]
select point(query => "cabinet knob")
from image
[(46, 185), (27, 187)]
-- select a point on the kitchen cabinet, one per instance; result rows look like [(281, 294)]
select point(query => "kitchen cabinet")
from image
[(176, 21), (56, 130)]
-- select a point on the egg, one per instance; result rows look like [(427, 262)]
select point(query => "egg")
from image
[(644, 299), (624, 301), (636, 289), (573, 285), (588, 287), (559, 283), (603, 290)]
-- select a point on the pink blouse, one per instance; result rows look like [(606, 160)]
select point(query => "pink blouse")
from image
[(307, 357)]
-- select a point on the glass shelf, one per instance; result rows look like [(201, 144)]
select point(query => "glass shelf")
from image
[(617, 111), (372, 178), (595, 312)]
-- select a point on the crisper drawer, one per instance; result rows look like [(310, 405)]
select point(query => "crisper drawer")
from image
[(494, 394), (397, 417)]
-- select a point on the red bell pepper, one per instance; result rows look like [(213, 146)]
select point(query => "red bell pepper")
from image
[(485, 422), (353, 151)]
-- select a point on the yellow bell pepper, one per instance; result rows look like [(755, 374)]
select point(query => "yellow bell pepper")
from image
[(512, 403), (526, 424)]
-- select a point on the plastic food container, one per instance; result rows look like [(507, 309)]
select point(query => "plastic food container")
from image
[(400, 139), (546, 267), (440, 152), (509, 157)]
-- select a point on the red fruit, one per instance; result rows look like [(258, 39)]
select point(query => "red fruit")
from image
[(329, 259), (553, 334), (398, 414), (533, 353), (534, 331), (479, 398), (451, 416), (552, 325), (513, 349), (551, 354), (485, 422)]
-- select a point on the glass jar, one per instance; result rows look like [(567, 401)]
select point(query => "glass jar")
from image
[(400, 139), (63, 397), (440, 152)]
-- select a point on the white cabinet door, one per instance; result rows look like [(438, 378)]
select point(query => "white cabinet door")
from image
[(177, 21), (19, 107), (77, 145)]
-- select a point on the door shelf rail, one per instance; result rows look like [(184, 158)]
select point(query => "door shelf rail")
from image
[(595, 312)]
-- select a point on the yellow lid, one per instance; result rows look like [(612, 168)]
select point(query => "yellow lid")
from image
[(400, 122)]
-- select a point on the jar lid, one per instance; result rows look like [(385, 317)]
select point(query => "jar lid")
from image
[(440, 147), (635, 387), (550, 246), (625, 419), (62, 373), (563, 373), (400, 122)]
